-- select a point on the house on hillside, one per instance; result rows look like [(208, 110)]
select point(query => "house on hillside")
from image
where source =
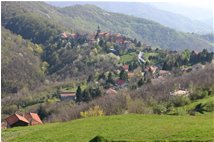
[(147, 47), (130, 74), (111, 91), (16, 120), (180, 93), (158, 80), (153, 69), (64, 35), (104, 35), (164, 73), (68, 96), (197, 67), (33, 119), (150, 72), (74, 35), (125, 67), (186, 69), (27, 119), (120, 83)]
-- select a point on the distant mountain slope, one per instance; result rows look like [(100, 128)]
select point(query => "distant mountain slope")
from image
[(88, 16), (30, 17), (148, 11), (191, 11)]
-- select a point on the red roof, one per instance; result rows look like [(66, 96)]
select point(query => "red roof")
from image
[(121, 41), (130, 74), (15, 118), (117, 35), (111, 91), (64, 35), (74, 35), (126, 67), (120, 82), (33, 116), (103, 33), (67, 94)]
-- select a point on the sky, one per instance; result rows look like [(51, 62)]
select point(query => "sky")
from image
[(208, 4), (193, 9)]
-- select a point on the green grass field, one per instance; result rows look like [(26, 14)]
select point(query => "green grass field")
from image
[(73, 89), (184, 109), (129, 127), (146, 55), (128, 57)]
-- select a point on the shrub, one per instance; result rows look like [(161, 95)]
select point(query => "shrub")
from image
[(209, 106), (199, 94), (9, 109), (94, 111), (112, 104), (160, 109), (180, 111), (138, 106), (180, 100)]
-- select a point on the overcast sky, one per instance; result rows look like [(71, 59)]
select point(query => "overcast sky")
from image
[(208, 4)]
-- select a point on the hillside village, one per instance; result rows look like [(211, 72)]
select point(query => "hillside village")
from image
[(137, 65), (62, 64), (84, 72), (140, 69)]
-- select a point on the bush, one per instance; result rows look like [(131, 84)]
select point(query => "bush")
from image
[(9, 109), (94, 111), (112, 104), (180, 111), (180, 100), (160, 109), (138, 106), (209, 106), (199, 94)]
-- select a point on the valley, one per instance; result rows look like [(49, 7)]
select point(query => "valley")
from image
[(88, 73)]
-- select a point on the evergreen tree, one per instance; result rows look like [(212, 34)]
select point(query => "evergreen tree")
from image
[(140, 82), (131, 66), (135, 41), (101, 43), (193, 57), (110, 79), (86, 96), (138, 44), (123, 75), (102, 76), (90, 78), (78, 94), (98, 31)]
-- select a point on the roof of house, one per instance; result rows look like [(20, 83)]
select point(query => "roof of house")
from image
[(74, 35), (153, 68), (111, 91), (64, 35), (117, 35), (120, 82), (103, 33), (164, 72), (33, 116), (125, 67), (179, 93), (68, 94), (15, 118), (130, 74)]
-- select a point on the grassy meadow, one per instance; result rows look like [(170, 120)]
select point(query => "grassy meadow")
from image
[(127, 127)]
